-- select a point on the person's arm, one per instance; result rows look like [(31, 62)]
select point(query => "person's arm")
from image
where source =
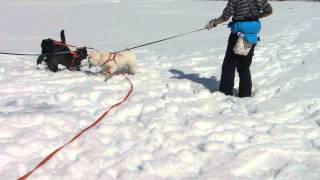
[(266, 8), (263, 15), (220, 20), (214, 22), (227, 13)]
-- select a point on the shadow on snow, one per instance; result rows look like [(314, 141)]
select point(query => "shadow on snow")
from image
[(209, 83)]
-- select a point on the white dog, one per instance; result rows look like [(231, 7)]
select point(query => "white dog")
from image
[(123, 62)]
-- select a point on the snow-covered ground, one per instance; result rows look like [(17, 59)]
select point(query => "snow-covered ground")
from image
[(175, 125)]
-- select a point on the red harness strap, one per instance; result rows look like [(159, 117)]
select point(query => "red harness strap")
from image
[(111, 57), (74, 54), (53, 153), (75, 57)]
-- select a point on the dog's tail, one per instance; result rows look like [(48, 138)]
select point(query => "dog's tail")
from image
[(63, 37)]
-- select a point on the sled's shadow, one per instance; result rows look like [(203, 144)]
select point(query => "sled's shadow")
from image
[(209, 83)]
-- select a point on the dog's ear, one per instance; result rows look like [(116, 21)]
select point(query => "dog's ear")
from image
[(62, 36), (85, 52), (82, 52)]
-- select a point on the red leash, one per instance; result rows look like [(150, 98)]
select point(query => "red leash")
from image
[(47, 158)]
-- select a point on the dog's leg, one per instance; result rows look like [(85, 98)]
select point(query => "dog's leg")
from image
[(40, 59), (108, 73), (53, 64), (107, 76), (132, 68)]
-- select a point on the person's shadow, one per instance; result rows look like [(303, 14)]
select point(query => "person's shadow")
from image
[(209, 83)]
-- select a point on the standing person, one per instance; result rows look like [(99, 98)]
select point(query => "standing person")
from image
[(245, 22)]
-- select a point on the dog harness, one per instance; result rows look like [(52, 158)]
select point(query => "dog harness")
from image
[(75, 57), (111, 57), (74, 54)]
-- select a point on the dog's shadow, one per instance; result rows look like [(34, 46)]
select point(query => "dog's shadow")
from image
[(209, 83)]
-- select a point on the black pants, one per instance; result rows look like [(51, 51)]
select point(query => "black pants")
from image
[(230, 64)]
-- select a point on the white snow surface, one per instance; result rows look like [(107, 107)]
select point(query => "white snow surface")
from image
[(175, 125)]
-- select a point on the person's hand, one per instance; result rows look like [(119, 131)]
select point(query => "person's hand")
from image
[(211, 24)]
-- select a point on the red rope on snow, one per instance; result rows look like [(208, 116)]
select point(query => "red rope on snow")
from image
[(48, 157)]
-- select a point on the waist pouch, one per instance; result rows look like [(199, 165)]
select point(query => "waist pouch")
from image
[(242, 47), (249, 29)]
